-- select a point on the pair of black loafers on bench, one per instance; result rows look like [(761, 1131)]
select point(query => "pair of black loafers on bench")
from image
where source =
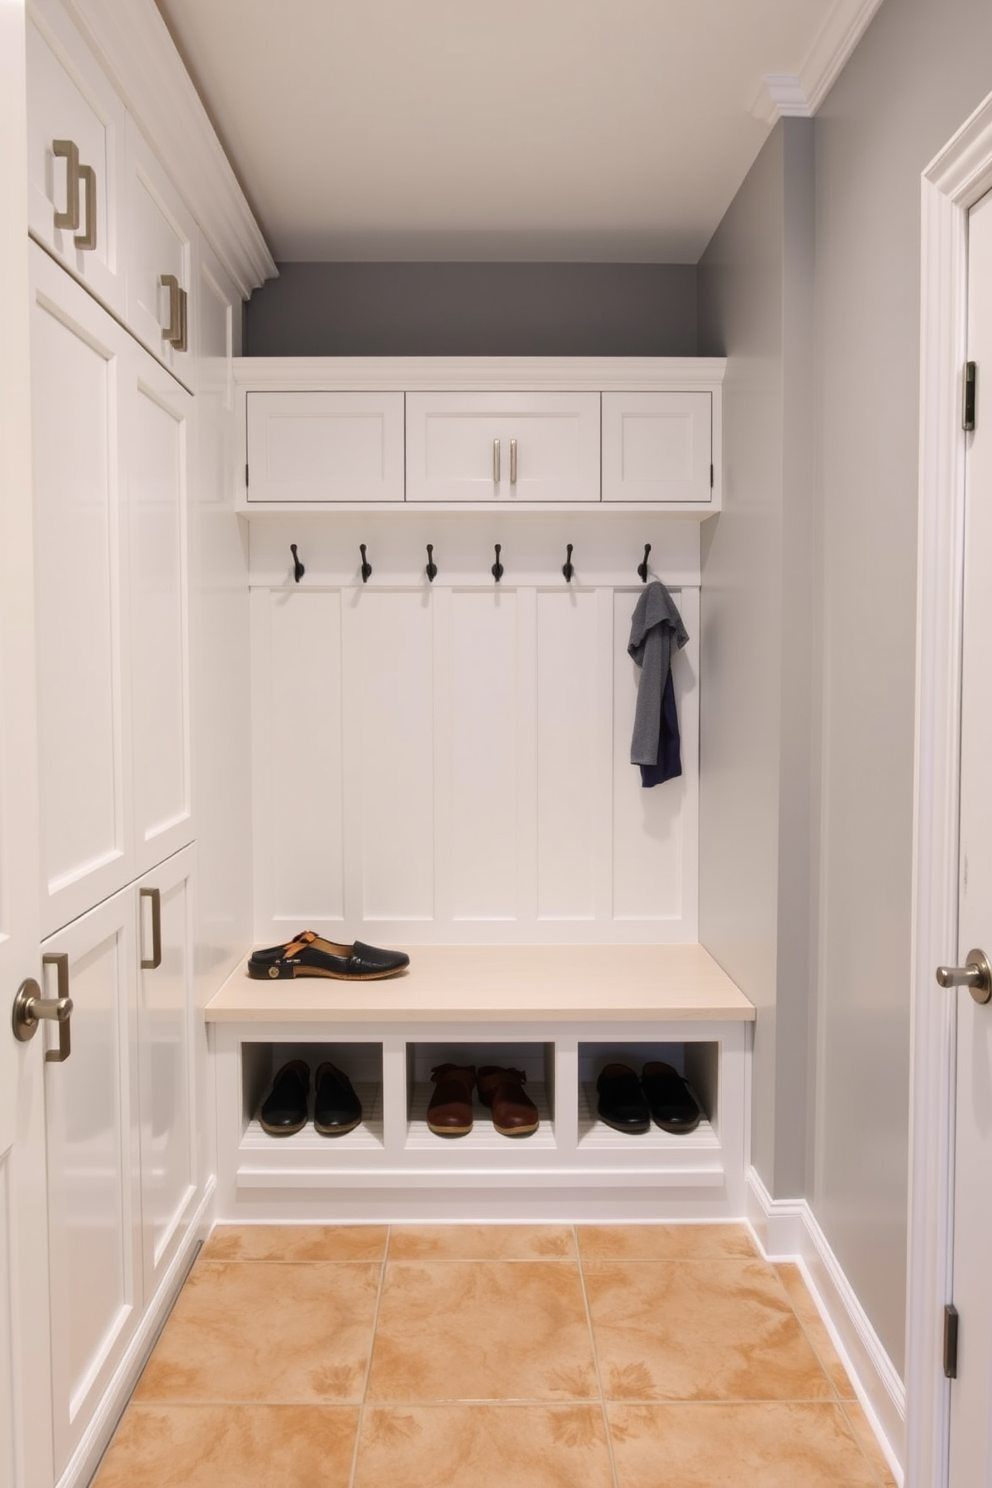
[(286, 1108), (629, 1104)]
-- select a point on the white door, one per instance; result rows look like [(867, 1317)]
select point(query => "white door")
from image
[(25, 1413), (971, 1393)]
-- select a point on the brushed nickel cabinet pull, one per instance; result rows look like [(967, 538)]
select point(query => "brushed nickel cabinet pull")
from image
[(495, 462), (68, 151), (513, 462), (153, 962), (86, 240)]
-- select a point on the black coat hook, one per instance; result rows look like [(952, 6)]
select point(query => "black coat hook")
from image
[(642, 568), (497, 568), (366, 565), (431, 565), (298, 569), (567, 568)]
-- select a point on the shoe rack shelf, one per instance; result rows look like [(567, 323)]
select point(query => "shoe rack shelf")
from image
[(558, 1013)]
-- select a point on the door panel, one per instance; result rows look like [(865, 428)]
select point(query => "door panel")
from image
[(157, 414), (165, 1039), (76, 354), (92, 1166)]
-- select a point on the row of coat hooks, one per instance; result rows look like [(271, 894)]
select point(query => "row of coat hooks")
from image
[(497, 569)]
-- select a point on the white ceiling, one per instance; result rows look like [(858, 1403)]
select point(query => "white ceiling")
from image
[(555, 130)]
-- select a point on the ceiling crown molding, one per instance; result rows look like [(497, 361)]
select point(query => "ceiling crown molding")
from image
[(780, 96), (135, 47)]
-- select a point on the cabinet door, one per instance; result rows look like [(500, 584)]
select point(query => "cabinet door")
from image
[(77, 352), (92, 1165), (313, 447), (658, 447), (75, 154), (506, 447), (165, 1047), (159, 259), (156, 413)]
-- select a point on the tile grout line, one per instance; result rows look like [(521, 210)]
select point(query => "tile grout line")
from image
[(368, 1367), (595, 1358)]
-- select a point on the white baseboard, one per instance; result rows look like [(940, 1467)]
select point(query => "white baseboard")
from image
[(787, 1230), (94, 1442)]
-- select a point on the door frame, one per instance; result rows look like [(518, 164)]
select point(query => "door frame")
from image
[(957, 177)]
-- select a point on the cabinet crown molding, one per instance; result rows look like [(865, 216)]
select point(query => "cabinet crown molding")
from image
[(440, 374)]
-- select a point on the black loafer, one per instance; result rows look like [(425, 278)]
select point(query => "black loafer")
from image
[(311, 956), (673, 1105), (621, 1100), (284, 1110), (336, 1107)]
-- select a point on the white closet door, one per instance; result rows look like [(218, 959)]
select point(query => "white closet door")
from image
[(165, 1041), (159, 245), (92, 1166), (157, 415), (77, 352)]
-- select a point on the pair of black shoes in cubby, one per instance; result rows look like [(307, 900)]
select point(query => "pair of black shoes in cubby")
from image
[(286, 1108), (661, 1095)]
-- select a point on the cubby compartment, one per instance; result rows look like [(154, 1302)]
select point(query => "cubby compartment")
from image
[(361, 1062), (536, 1059), (698, 1062)]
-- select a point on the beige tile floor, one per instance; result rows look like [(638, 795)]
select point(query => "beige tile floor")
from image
[(544, 1356)]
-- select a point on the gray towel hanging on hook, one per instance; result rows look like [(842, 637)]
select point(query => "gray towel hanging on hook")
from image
[(654, 626)]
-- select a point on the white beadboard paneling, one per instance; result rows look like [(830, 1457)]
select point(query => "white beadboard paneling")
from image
[(395, 712), (569, 784), (483, 782), (650, 882), (298, 704)]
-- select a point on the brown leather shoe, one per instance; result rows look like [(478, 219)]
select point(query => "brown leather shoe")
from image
[(514, 1113), (449, 1112)]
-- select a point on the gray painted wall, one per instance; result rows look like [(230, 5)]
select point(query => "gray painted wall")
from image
[(917, 74), (757, 658), (474, 309)]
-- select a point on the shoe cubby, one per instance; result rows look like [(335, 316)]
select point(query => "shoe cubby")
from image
[(361, 1062), (558, 1017), (536, 1059)]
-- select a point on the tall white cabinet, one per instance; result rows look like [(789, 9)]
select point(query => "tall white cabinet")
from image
[(142, 250)]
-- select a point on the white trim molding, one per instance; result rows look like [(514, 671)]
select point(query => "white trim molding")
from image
[(951, 184), (787, 1230), (780, 95)]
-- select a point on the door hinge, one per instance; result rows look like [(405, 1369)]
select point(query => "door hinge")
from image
[(951, 1341), (970, 384), (711, 477), (246, 477)]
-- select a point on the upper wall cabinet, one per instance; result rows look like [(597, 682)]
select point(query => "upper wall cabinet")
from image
[(658, 447), (76, 127), (463, 433), (159, 259), (505, 447), (305, 448)]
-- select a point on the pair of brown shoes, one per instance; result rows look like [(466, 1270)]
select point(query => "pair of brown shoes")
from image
[(449, 1112)]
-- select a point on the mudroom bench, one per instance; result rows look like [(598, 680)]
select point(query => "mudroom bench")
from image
[(560, 1013)]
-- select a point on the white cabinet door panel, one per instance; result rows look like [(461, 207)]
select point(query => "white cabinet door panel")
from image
[(331, 447), (657, 447), (157, 414), (506, 447), (159, 245), (165, 1038), (70, 98), (92, 1166), (76, 356)]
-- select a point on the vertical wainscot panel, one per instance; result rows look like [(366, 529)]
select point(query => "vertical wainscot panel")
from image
[(653, 861), (482, 776), (573, 696), (393, 721), (298, 705)]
